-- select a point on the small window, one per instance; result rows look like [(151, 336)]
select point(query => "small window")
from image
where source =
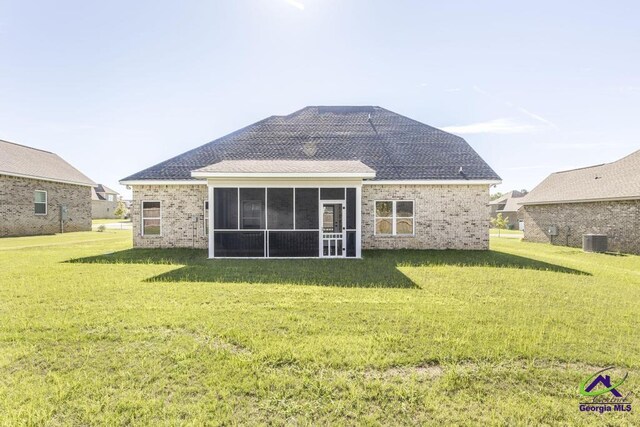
[(394, 217), (110, 197), (40, 202), (151, 218)]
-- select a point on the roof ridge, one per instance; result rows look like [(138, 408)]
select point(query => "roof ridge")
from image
[(26, 146), (601, 164), (582, 168)]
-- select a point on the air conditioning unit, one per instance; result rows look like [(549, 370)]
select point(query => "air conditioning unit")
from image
[(553, 230), (594, 242)]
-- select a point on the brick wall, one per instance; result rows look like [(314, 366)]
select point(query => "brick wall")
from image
[(103, 209), (17, 212), (446, 216), (619, 220), (180, 204)]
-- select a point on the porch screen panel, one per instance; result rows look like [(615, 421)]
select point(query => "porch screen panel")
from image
[(351, 243), (307, 209), (225, 208), (293, 243), (239, 243), (252, 211), (332, 193), (280, 208), (351, 208)]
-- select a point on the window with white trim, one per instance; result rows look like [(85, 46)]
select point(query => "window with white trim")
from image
[(40, 202), (151, 218), (394, 217)]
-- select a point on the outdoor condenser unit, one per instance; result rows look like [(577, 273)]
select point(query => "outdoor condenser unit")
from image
[(594, 242)]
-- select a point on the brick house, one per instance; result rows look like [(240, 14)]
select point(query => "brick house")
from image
[(40, 193), (320, 182), (104, 202), (508, 206), (601, 199)]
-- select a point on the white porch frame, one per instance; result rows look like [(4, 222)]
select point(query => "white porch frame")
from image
[(308, 182)]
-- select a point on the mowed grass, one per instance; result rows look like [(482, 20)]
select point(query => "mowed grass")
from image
[(110, 221), (94, 333), (504, 231)]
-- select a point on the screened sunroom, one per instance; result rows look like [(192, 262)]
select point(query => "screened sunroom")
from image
[(284, 209)]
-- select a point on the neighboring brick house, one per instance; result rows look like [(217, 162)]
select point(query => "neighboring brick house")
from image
[(320, 182), (104, 202), (601, 199), (508, 206), (40, 193)]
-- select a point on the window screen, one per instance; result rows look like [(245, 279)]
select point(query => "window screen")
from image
[(351, 208), (239, 243), (293, 243), (252, 208), (332, 193), (306, 208), (225, 208), (280, 208), (351, 243)]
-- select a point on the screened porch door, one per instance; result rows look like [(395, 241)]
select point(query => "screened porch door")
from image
[(333, 229)]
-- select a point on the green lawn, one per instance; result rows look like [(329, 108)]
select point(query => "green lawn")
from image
[(496, 231), (109, 221), (92, 332)]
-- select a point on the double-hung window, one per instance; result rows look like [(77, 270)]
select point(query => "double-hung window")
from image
[(151, 219), (394, 217), (40, 202)]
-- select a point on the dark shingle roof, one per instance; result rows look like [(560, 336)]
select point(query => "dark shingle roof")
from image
[(396, 147), (619, 180), (20, 160)]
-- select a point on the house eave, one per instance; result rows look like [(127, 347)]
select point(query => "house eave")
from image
[(560, 202), (434, 182), (293, 175), (162, 182), (40, 178)]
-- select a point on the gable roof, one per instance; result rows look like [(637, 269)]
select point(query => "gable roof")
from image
[(396, 147), (619, 180), (510, 201), (101, 188), (23, 161), (100, 192)]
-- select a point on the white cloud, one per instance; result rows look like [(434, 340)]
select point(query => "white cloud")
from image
[(537, 117), (296, 4), (503, 125)]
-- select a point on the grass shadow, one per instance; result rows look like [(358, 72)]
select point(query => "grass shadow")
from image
[(376, 269)]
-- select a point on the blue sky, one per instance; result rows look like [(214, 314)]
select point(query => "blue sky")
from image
[(114, 87)]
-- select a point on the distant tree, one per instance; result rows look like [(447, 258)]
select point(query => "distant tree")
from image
[(496, 196), (524, 192), (121, 210), (499, 222)]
